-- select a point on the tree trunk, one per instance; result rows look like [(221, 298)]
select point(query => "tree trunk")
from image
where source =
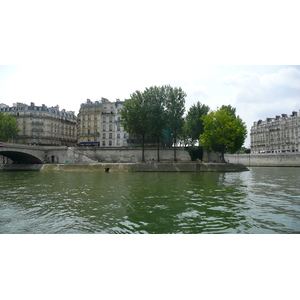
[(175, 159), (158, 159), (223, 158), (143, 148)]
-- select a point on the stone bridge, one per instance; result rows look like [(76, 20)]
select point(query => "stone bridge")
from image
[(34, 154), (31, 154)]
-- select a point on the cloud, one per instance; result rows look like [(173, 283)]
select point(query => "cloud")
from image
[(195, 93), (198, 95), (267, 88), (242, 80)]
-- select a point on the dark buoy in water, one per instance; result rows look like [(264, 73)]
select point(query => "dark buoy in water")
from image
[(106, 169)]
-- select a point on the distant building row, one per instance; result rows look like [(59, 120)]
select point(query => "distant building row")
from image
[(98, 123), (276, 135), (43, 125)]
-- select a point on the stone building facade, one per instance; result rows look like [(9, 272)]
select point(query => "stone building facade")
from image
[(276, 135), (42, 125), (99, 124)]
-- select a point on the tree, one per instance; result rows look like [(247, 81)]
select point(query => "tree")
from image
[(8, 127), (194, 121), (185, 136), (223, 132), (229, 108), (153, 112), (174, 103), (135, 114), (155, 98)]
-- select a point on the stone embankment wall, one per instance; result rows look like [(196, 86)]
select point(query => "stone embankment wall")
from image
[(147, 167), (266, 159), (20, 167), (124, 155)]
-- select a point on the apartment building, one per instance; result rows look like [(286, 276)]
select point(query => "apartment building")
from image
[(276, 135), (42, 125), (99, 124)]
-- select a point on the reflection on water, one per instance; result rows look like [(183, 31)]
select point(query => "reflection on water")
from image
[(264, 200)]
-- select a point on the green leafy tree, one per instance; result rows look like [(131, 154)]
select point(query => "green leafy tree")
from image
[(135, 114), (185, 137), (175, 107), (223, 132), (229, 108), (155, 99), (8, 127), (194, 121)]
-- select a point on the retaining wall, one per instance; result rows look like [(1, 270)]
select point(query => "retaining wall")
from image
[(127, 155), (147, 167), (20, 167), (266, 159)]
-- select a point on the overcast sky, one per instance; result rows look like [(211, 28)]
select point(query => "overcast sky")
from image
[(70, 51)]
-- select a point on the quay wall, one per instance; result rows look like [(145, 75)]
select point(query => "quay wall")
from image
[(126, 155), (20, 167), (86, 155), (127, 167), (265, 159), (148, 167)]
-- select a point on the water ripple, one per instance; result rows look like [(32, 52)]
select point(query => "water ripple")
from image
[(260, 201)]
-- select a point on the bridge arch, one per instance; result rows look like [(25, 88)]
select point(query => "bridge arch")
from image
[(21, 157)]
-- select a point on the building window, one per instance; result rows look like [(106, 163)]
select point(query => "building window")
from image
[(110, 127), (104, 127), (110, 135), (103, 143), (104, 119), (110, 143), (104, 135)]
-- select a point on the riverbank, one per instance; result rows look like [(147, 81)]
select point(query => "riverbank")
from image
[(130, 167)]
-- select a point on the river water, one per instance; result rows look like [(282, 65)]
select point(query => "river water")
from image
[(263, 200)]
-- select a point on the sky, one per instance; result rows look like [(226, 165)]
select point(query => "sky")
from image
[(67, 52)]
